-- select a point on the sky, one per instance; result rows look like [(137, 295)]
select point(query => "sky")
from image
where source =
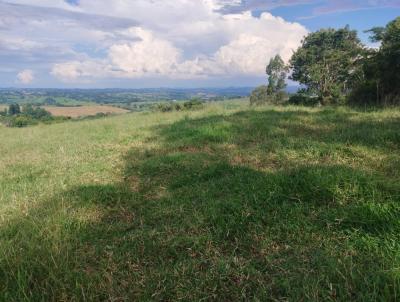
[(164, 43)]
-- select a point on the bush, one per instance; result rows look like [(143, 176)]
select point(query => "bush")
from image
[(30, 115), (189, 105), (14, 109), (303, 99), (193, 104), (36, 112), (261, 95), (178, 107), (20, 121), (366, 94), (165, 107)]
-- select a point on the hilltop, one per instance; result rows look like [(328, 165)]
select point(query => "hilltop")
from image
[(227, 202)]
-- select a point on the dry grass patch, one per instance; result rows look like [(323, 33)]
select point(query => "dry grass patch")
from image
[(75, 112)]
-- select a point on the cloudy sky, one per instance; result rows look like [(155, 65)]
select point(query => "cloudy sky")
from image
[(156, 43)]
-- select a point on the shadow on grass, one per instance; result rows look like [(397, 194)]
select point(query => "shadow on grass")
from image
[(187, 223), (253, 127)]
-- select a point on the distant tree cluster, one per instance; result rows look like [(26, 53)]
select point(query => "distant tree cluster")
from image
[(29, 115), (14, 109), (334, 67), (180, 106)]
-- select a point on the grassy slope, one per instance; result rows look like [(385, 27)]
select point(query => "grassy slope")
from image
[(222, 204)]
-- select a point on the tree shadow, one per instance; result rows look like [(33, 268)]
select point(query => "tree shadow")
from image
[(326, 126), (185, 222)]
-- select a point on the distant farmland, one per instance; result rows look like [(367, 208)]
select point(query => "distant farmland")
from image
[(75, 112)]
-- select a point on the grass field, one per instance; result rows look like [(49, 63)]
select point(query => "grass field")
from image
[(81, 111), (224, 204)]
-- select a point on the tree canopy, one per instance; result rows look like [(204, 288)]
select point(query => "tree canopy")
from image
[(326, 63), (383, 67), (334, 67), (276, 71), (274, 92)]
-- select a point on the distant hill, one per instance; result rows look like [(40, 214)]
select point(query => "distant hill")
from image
[(109, 96), (73, 97)]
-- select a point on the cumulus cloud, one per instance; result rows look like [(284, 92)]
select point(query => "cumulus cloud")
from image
[(148, 55), (25, 76), (178, 39)]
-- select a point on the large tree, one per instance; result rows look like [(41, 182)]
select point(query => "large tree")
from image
[(383, 66), (326, 63), (380, 68)]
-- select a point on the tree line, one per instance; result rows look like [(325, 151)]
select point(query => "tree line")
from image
[(14, 116), (334, 67)]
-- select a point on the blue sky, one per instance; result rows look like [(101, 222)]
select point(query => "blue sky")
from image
[(164, 43), (360, 20)]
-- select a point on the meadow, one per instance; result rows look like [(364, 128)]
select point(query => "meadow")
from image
[(227, 203), (81, 111)]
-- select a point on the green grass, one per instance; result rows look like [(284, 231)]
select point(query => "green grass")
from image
[(224, 204)]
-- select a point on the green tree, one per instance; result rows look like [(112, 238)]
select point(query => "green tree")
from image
[(384, 64), (14, 109), (276, 71), (380, 68), (327, 62), (274, 92), (36, 112)]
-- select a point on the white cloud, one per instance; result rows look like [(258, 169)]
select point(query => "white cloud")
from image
[(150, 55), (73, 71), (149, 38), (25, 76)]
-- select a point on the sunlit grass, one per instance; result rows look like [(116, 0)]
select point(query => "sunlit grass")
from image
[(226, 203)]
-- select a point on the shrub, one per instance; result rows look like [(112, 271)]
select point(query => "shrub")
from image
[(366, 94), (303, 99), (261, 95), (14, 109), (189, 105), (36, 112), (178, 107), (165, 107), (20, 121), (193, 104)]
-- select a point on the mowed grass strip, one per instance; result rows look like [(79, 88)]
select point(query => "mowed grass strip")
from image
[(224, 204), (82, 111)]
